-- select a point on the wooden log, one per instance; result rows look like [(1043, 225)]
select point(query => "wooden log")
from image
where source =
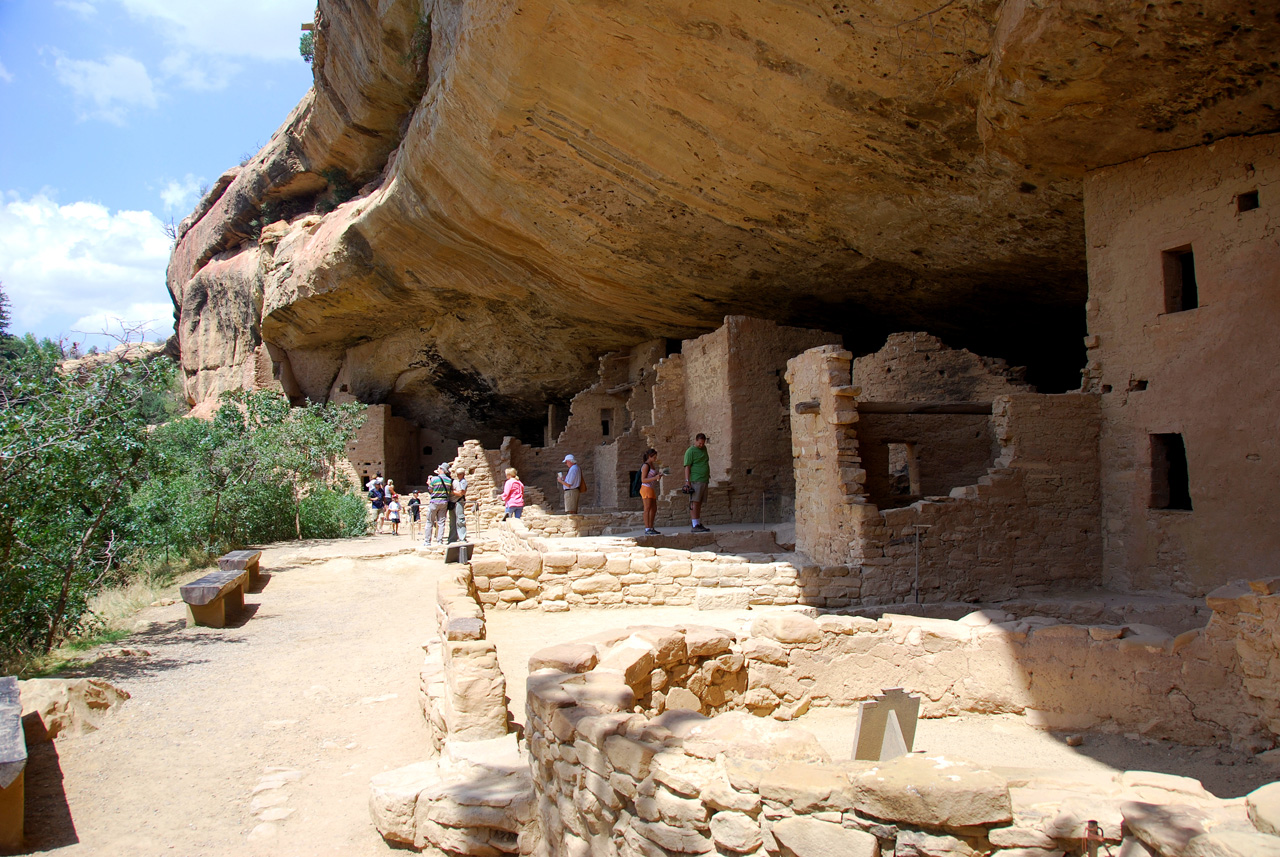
[(246, 559), (212, 586), (924, 408)]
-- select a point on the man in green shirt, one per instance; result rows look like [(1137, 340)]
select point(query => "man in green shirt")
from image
[(697, 473)]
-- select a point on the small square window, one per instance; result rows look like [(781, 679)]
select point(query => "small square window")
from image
[(1247, 201), (1180, 290)]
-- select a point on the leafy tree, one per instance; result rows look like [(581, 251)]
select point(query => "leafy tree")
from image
[(4, 313), (259, 471), (71, 446)]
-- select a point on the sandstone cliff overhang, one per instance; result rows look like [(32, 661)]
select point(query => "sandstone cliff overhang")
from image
[(500, 191)]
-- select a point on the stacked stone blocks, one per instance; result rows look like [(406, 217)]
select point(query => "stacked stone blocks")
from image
[(624, 763)]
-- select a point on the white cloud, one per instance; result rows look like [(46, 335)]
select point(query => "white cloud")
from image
[(180, 194), (5, 74), (198, 72), (147, 321), (83, 9), (69, 267), (261, 29), (108, 89)]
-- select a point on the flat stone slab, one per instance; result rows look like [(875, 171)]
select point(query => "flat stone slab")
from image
[(809, 837), (932, 791)]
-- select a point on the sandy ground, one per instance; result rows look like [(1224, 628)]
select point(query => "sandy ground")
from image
[(261, 738)]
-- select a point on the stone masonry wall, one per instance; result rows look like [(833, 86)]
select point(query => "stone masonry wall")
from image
[(388, 445), (917, 367), (1031, 521), (1247, 614), (950, 450), (636, 749), (1206, 373)]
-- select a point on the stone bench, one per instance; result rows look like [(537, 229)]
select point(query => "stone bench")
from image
[(246, 560), (13, 765), (215, 596)]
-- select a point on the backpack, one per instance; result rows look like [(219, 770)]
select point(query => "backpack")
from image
[(635, 483)]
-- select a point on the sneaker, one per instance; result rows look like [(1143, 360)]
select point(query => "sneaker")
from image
[(699, 529), (652, 532)]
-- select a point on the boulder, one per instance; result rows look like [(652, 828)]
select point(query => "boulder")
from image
[(54, 707), (1264, 808)]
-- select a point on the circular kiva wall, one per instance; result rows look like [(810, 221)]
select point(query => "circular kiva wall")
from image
[(650, 740)]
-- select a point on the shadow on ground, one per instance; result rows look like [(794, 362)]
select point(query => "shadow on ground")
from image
[(48, 820)]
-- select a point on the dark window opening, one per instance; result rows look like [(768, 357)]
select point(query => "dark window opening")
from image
[(1180, 290), (1106, 388), (633, 480), (1247, 201), (426, 450), (606, 417), (1137, 385), (343, 389), (1170, 479), (904, 471)]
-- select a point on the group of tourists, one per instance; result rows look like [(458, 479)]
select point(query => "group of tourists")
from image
[(446, 506), (386, 505), (447, 495)]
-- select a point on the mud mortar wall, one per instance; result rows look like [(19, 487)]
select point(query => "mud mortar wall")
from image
[(1206, 373), (625, 758), (1030, 521)]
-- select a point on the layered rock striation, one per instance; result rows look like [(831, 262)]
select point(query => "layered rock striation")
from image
[(479, 196)]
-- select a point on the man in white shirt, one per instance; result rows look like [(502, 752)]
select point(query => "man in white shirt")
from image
[(571, 482)]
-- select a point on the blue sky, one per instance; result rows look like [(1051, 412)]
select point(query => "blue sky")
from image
[(115, 113)]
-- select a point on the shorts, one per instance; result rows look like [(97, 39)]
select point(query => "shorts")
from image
[(514, 511), (699, 494), (648, 492)]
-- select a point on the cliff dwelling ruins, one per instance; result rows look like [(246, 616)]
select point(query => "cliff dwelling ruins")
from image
[(976, 303)]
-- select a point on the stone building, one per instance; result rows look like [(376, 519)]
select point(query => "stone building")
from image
[(938, 475), (727, 384), (1184, 305)]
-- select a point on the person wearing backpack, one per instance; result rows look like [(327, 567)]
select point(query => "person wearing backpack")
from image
[(439, 487), (377, 500)]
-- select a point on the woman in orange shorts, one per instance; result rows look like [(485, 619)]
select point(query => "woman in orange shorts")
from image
[(649, 476)]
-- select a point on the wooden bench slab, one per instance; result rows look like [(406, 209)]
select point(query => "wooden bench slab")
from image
[(246, 560), (212, 598), (13, 765)]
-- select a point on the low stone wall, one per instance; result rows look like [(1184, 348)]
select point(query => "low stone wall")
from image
[(463, 692), (528, 571), (626, 759), (1247, 614)]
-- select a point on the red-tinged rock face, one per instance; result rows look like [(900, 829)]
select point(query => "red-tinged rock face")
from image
[(557, 180)]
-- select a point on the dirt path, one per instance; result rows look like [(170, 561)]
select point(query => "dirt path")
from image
[(261, 738), (311, 695)]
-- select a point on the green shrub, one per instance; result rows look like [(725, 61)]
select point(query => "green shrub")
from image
[(334, 514)]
